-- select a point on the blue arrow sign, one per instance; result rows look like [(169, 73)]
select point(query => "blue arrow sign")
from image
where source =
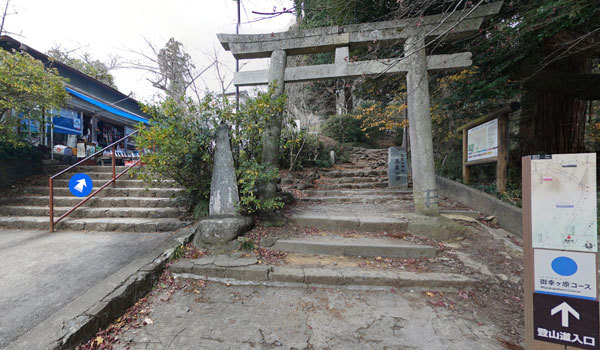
[(80, 185)]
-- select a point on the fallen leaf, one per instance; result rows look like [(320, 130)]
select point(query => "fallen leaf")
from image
[(508, 345), (148, 320)]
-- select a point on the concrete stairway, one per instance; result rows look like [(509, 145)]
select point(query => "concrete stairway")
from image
[(130, 206)]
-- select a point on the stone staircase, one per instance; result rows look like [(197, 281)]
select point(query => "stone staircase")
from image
[(131, 206), (363, 180), (345, 223), (355, 195)]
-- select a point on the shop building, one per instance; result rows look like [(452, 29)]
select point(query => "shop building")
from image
[(95, 116)]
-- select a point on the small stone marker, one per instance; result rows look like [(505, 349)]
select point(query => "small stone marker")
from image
[(223, 188), (224, 224), (397, 168), (332, 156)]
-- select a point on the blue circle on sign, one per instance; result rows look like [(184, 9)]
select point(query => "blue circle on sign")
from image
[(564, 266), (80, 185)]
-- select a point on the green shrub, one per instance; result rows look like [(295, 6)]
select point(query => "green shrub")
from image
[(183, 134), (249, 174), (249, 124), (301, 149), (201, 209), (19, 150), (344, 129)]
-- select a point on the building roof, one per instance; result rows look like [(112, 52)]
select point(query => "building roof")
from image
[(80, 82)]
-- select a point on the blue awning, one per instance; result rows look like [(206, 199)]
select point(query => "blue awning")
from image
[(107, 108)]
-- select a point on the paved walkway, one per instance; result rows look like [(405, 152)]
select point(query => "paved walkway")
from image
[(41, 272), (259, 317)]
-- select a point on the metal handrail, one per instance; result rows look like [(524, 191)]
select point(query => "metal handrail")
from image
[(111, 181)]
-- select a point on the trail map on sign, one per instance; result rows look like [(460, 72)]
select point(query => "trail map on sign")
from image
[(482, 141), (563, 202)]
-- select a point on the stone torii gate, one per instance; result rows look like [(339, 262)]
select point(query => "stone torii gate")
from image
[(414, 33)]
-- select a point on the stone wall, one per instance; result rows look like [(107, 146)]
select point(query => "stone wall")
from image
[(12, 171), (509, 217)]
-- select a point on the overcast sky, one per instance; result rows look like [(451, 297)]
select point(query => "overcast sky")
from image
[(119, 26)]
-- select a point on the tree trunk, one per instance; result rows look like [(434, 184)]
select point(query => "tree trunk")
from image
[(554, 123)]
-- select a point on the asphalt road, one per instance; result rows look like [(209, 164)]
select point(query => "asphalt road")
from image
[(41, 272)]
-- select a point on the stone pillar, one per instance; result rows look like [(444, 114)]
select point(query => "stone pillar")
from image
[(342, 56), (340, 100), (277, 71), (272, 132), (419, 118), (223, 187)]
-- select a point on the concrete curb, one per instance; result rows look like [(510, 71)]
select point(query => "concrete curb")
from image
[(80, 320), (323, 276), (509, 217)]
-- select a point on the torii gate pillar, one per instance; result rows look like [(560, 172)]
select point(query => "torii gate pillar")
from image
[(419, 119), (272, 132)]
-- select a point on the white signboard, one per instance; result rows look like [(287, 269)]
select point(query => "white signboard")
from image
[(563, 202), (565, 273), (482, 141)]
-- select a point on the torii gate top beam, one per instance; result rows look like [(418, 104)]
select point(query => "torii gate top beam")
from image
[(299, 42)]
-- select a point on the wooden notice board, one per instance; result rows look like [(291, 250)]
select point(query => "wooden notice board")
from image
[(485, 140)]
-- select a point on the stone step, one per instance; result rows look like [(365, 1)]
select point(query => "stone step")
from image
[(352, 186), (243, 271), (98, 175), (51, 170), (355, 173), (122, 182), (87, 212), (94, 224), (363, 247), (357, 199), (357, 192), (110, 191), (345, 180), (98, 202), (468, 213), (348, 222)]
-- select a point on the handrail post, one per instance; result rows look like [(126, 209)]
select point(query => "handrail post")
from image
[(113, 167), (51, 204)]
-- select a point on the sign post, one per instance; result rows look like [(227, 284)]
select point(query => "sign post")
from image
[(560, 252)]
